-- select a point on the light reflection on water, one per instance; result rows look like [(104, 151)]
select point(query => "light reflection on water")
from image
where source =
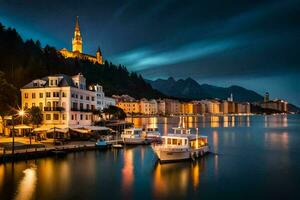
[(248, 149), (27, 186)]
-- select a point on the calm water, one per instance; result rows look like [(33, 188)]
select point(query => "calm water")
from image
[(258, 158)]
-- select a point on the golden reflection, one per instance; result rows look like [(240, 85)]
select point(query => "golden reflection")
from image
[(27, 185), (225, 121), (165, 126), (127, 171), (232, 121), (47, 173), (190, 122), (214, 121), (215, 137), (196, 175), (175, 178), (171, 178), (2, 172)]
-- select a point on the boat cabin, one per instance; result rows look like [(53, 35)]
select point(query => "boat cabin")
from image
[(184, 141), (182, 130), (132, 131), (151, 129)]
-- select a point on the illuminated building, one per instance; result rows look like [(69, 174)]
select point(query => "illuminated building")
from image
[(77, 51), (187, 108), (129, 106), (64, 100)]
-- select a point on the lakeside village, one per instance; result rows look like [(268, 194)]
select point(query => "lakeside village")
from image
[(60, 113)]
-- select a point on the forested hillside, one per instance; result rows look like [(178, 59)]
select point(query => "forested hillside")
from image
[(23, 61)]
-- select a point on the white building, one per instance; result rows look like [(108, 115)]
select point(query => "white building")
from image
[(101, 100), (64, 100)]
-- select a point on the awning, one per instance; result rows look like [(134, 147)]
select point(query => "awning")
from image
[(49, 127), (88, 129), (65, 130), (22, 126), (80, 130)]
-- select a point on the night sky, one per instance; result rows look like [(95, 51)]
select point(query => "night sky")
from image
[(254, 44)]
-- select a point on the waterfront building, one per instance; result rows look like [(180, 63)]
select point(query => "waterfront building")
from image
[(242, 108), (101, 100), (129, 106), (148, 107), (228, 107), (211, 106), (277, 105), (63, 100), (77, 49), (161, 107), (173, 107), (187, 108), (123, 98)]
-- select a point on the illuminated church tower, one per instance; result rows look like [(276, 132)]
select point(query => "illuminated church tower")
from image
[(77, 48), (77, 40)]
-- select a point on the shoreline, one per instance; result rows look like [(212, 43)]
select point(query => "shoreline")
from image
[(34, 153)]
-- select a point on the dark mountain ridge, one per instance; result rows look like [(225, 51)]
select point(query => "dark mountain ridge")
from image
[(190, 89)]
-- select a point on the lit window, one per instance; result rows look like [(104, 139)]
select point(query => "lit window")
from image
[(48, 117), (55, 117)]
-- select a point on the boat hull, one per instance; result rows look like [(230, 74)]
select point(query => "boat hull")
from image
[(135, 141), (180, 154)]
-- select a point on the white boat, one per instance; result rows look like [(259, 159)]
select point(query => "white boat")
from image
[(176, 147), (117, 146), (134, 136), (152, 134), (101, 143)]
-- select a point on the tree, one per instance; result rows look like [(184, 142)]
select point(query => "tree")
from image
[(115, 112), (8, 97), (36, 117)]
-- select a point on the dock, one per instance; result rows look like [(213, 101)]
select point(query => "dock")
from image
[(33, 153)]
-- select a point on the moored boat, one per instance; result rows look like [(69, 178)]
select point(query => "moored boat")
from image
[(176, 147), (134, 136), (152, 134), (101, 143)]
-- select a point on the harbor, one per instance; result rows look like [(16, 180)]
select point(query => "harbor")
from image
[(251, 143)]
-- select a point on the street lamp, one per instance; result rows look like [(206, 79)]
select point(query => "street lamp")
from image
[(21, 113)]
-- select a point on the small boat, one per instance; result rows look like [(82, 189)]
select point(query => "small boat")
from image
[(177, 147), (134, 136), (118, 146), (101, 143), (152, 134)]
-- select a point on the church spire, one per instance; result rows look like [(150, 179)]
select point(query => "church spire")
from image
[(77, 40), (77, 24)]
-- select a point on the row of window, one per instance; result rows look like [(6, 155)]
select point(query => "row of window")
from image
[(81, 97), (48, 94), (81, 106), (48, 104), (55, 116), (81, 117)]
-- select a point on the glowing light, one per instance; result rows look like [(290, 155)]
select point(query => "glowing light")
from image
[(27, 185)]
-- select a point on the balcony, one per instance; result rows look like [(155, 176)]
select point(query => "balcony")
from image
[(82, 110), (54, 109)]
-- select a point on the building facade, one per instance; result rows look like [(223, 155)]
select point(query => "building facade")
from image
[(63, 100)]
